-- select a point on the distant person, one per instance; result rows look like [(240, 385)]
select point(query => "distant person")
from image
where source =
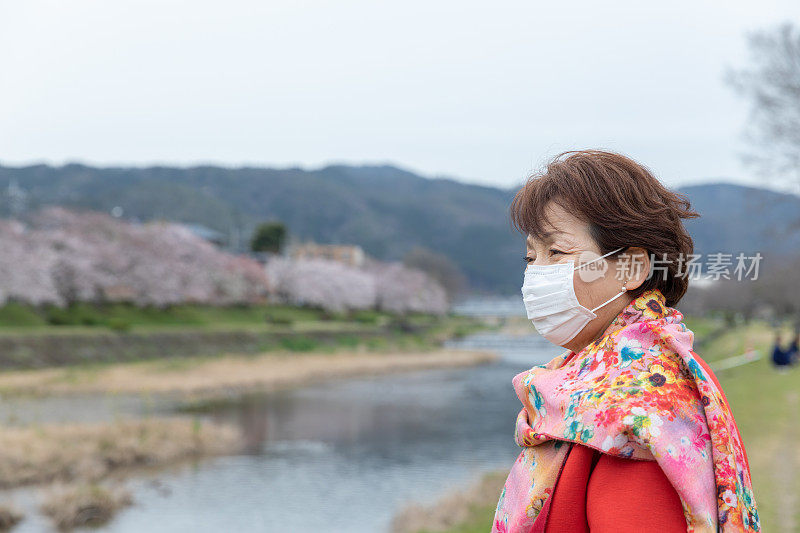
[(615, 431), (783, 358), (778, 355), (791, 352)]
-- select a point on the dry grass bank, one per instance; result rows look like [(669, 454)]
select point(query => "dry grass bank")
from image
[(9, 517), (467, 506), (239, 372), (84, 505), (89, 452)]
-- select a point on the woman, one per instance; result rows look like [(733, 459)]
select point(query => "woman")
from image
[(628, 430)]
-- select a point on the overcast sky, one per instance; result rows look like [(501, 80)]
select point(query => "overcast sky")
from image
[(479, 91)]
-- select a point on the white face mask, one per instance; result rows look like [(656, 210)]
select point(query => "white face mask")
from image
[(548, 293)]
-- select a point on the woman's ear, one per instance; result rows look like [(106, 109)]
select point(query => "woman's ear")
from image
[(634, 264)]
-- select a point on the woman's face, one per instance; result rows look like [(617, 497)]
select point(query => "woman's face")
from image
[(570, 240)]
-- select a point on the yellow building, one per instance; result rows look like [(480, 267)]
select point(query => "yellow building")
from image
[(344, 253)]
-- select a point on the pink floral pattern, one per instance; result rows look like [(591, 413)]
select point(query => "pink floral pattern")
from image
[(636, 392)]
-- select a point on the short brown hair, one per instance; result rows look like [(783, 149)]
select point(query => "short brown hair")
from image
[(624, 205)]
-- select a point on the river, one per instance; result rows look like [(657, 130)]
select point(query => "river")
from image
[(345, 455)]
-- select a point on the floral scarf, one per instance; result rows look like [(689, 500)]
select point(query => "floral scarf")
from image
[(636, 392)]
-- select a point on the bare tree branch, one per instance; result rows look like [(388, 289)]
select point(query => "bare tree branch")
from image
[(772, 84)]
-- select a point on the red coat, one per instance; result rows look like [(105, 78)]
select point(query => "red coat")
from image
[(606, 494)]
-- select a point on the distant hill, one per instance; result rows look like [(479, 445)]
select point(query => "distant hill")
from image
[(740, 218), (385, 209)]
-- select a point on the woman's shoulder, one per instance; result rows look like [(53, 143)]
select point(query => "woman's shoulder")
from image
[(710, 373), (708, 370)]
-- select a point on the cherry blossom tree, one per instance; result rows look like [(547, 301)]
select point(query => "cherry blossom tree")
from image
[(330, 285), (334, 286), (62, 256), (402, 289), (25, 266)]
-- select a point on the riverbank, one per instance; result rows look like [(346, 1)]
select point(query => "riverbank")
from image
[(90, 452), (233, 373), (467, 511), (69, 467), (83, 334)]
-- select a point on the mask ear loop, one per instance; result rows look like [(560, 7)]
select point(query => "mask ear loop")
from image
[(599, 258), (622, 291)]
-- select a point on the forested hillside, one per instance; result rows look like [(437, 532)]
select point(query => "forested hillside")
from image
[(386, 210)]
